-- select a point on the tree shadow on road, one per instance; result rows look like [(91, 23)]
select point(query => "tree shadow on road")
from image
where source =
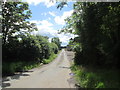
[(6, 80)]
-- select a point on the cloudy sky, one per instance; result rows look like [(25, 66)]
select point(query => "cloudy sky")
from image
[(49, 19)]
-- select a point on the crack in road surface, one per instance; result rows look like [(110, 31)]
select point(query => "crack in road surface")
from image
[(53, 75)]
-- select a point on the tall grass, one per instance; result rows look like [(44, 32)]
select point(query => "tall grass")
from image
[(96, 78)]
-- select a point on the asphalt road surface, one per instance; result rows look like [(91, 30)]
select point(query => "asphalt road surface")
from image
[(57, 74)]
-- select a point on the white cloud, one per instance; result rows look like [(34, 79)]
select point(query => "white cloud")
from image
[(64, 38), (45, 28), (34, 2), (49, 18), (43, 23), (60, 19), (47, 3), (52, 13), (44, 14)]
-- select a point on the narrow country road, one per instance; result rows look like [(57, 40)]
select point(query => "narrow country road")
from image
[(53, 75)]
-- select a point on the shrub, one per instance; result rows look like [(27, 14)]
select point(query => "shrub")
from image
[(54, 48), (100, 78)]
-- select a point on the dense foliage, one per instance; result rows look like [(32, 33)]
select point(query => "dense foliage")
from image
[(56, 40), (96, 78), (97, 45), (20, 48), (97, 26), (14, 19)]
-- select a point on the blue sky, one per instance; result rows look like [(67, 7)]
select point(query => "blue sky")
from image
[(49, 19)]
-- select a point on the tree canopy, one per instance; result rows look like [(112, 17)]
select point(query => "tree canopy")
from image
[(14, 19), (97, 26), (18, 43), (56, 40)]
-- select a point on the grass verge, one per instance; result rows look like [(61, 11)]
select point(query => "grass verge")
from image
[(52, 57), (96, 78), (9, 68)]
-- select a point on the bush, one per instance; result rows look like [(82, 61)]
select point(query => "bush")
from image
[(45, 47), (54, 48), (100, 78), (100, 85), (51, 58), (8, 68), (30, 49), (35, 49)]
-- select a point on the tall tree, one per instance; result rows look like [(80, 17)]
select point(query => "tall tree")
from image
[(14, 19), (97, 26), (56, 40)]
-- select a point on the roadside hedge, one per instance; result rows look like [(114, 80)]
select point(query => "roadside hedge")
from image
[(28, 48)]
